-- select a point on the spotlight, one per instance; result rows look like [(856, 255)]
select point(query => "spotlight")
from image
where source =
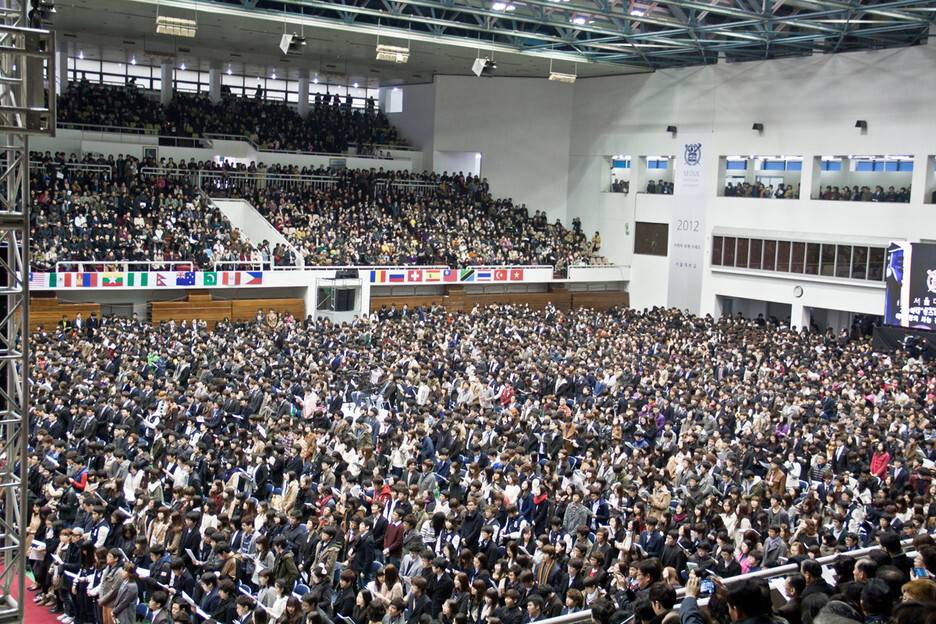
[(560, 77), (178, 26), (759, 127), (392, 53), (671, 130), (291, 43), (483, 67), (861, 123)]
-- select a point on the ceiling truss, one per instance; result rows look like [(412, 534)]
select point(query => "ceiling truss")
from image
[(650, 34)]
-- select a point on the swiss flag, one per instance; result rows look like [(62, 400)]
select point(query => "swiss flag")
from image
[(516, 275), (500, 275), (414, 275)]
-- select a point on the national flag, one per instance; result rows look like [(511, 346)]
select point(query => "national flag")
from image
[(516, 275), (253, 278), (432, 275), (500, 275), (185, 278), (231, 278), (467, 275), (68, 280), (89, 280), (449, 275), (397, 277), (112, 279), (38, 280), (483, 276), (414, 275), (378, 276), (138, 279), (53, 280), (210, 278), (160, 279)]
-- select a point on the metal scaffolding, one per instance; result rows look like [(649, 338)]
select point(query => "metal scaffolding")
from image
[(27, 107)]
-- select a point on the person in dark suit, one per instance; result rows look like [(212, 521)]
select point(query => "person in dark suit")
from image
[(573, 578), (157, 606), (125, 603), (792, 610), (224, 612), (181, 579), (440, 586), (510, 612), (417, 603)]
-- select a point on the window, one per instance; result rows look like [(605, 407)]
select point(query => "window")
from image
[(657, 164), (859, 263), (794, 165), (717, 250), (773, 165), (812, 258), (827, 260), (741, 255), (737, 165), (757, 250), (621, 164), (651, 239), (798, 258), (876, 264), (843, 255), (730, 251), (770, 255), (831, 165), (783, 256)]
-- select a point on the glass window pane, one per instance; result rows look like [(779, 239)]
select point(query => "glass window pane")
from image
[(843, 260), (798, 258), (770, 255), (859, 265), (754, 256), (812, 258), (827, 266), (729, 251), (140, 71), (876, 264), (741, 255), (716, 250), (783, 256)]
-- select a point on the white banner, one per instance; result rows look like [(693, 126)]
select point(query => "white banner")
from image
[(692, 181)]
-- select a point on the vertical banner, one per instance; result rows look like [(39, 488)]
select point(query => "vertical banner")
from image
[(691, 177)]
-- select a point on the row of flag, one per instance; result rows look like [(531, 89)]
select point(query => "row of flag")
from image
[(428, 276), (146, 279)]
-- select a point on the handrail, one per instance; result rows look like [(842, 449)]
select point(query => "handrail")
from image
[(123, 266), (80, 167)]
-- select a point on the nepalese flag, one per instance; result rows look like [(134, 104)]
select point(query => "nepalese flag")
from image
[(449, 275), (500, 275), (185, 278), (516, 275), (414, 275)]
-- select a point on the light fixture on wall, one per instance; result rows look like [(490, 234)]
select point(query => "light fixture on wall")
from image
[(758, 127), (671, 130), (862, 124)]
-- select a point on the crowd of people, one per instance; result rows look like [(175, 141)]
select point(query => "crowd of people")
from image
[(660, 187), (330, 126), (865, 194), (93, 217), (497, 466), (761, 190), (348, 217)]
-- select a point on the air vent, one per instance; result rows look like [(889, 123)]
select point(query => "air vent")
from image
[(331, 66), (185, 49), (70, 36), (417, 75), (235, 55), (375, 71), (128, 42)]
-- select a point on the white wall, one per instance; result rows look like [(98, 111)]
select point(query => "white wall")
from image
[(520, 125), (255, 227), (416, 123), (808, 107), (454, 162)]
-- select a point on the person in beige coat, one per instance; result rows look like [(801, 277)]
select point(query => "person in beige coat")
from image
[(659, 501)]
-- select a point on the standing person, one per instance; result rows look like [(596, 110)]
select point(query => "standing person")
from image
[(125, 602)]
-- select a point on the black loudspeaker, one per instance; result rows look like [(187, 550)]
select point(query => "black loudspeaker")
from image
[(346, 274), (344, 299)]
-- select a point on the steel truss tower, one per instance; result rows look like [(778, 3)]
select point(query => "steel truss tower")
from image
[(27, 107)]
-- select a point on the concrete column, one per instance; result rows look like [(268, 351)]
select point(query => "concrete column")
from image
[(303, 95), (166, 75), (214, 84), (799, 315), (61, 64)]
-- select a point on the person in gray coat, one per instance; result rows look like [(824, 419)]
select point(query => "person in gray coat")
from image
[(127, 596)]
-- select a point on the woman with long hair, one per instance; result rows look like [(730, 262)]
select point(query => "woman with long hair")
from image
[(387, 585)]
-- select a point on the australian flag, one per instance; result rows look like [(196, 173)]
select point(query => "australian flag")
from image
[(186, 278)]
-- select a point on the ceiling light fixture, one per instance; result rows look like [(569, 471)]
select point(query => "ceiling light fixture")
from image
[(182, 66), (178, 26), (392, 53), (504, 6), (292, 43), (560, 77), (133, 60)]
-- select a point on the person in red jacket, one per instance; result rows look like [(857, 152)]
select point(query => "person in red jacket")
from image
[(880, 461)]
